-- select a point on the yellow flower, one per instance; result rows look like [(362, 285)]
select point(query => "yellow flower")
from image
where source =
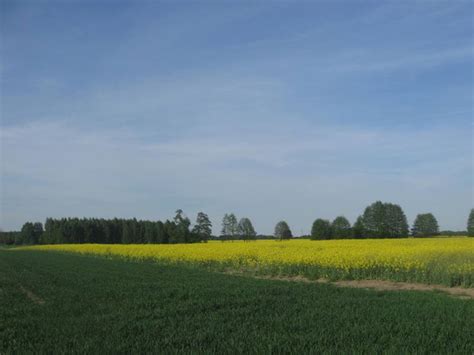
[(427, 256)]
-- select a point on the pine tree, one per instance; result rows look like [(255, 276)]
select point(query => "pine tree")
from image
[(203, 227), (161, 235), (127, 237), (181, 233)]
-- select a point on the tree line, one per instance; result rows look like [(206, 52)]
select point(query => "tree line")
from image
[(112, 231), (379, 220)]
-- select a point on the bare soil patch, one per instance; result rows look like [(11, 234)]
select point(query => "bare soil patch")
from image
[(467, 293), (34, 298), (378, 285)]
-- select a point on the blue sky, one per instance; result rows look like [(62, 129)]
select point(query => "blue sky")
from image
[(290, 110)]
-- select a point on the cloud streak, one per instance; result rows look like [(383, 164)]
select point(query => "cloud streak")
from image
[(292, 111), (335, 170)]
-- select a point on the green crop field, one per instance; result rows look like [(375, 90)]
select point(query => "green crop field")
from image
[(54, 302)]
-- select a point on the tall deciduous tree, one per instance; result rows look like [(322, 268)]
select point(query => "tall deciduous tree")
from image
[(229, 226), (341, 228), (425, 225), (358, 230), (37, 232), (384, 220), (245, 229), (282, 230), (321, 229), (26, 235), (233, 226), (30, 233), (225, 226)]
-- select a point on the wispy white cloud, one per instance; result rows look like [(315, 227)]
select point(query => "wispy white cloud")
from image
[(334, 170), (316, 110), (392, 60)]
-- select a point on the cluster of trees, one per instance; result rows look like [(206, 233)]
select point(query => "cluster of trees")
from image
[(231, 229), (9, 237), (30, 233), (114, 231), (379, 220)]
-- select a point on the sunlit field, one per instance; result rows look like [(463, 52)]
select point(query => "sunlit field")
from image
[(447, 261)]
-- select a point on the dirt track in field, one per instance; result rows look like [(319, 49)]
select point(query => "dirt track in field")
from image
[(460, 292), (378, 285), (34, 298)]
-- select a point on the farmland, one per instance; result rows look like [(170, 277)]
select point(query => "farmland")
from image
[(444, 261), (65, 302)]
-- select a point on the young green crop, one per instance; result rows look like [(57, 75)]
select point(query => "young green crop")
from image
[(69, 303)]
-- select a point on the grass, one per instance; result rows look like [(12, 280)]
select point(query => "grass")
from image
[(58, 302), (444, 261)]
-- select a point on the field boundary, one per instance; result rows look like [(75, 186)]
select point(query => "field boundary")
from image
[(377, 285), (371, 279)]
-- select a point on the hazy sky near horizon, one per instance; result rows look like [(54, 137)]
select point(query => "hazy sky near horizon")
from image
[(272, 110)]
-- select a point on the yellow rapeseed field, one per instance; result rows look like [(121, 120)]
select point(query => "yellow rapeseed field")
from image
[(437, 260)]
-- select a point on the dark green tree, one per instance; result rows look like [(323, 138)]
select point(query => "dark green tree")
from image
[(425, 225), (171, 230), (161, 234), (47, 237), (384, 220), (225, 232), (321, 229), (374, 220), (358, 231), (89, 231), (150, 232), (9, 237), (27, 234), (282, 231), (127, 233), (37, 232), (106, 225), (233, 226), (246, 230), (181, 233), (30, 233), (203, 227), (341, 228), (229, 227), (470, 224), (396, 221)]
